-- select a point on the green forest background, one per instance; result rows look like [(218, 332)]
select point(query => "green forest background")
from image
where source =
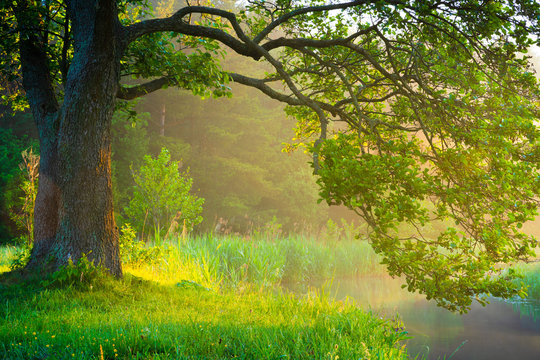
[(232, 148)]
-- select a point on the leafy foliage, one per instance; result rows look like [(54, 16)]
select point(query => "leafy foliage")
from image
[(189, 62), (12, 180), (130, 142), (24, 218), (440, 111), (83, 274), (21, 258), (134, 252), (162, 194)]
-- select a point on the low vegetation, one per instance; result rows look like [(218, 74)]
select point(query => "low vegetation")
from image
[(531, 278), (7, 255), (209, 298), (233, 261)]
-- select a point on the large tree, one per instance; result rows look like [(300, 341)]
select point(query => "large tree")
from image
[(434, 102)]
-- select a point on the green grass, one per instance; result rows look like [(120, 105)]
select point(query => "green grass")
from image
[(139, 319), (7, 254), (531, 278), (207, 297), (233, 261), (202, 298)]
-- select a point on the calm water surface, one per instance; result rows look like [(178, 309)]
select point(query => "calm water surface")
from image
[(500, 330)]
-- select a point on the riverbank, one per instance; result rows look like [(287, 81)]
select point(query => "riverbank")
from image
[(531, 278), (169, 318), (220, 297)]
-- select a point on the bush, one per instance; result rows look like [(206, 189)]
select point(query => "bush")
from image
[(21, 258), (13, 189), (133, 251), (162, 199), (82, 274)]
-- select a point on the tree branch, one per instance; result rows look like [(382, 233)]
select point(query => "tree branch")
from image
[(267, 90), (299, 43), (310, 9), (130, 93), (242, 45), (176, 23)]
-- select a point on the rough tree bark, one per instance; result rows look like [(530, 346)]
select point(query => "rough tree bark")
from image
[(74, 208)]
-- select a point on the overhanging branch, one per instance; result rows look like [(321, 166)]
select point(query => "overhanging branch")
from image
[(306, 10), (267, 90), (130, 93), (176, 23)]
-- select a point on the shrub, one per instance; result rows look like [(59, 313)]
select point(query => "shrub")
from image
[(25, 218), (21, 258), (162, 198), (82, 274), (133, 251)]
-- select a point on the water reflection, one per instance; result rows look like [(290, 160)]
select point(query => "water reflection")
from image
[(501, 330)]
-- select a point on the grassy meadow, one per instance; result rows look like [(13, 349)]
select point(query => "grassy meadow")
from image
[(204, 297), (199, 298)]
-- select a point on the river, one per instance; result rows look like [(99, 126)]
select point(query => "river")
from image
[(501, 330)]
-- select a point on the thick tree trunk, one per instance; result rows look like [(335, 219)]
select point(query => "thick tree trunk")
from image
[(74, 208)]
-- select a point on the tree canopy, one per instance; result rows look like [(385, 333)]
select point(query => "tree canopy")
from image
[(415, 111)]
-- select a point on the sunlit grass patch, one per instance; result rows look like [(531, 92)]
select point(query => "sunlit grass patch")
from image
[(134, 318), (7, 254), (235, 261)]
